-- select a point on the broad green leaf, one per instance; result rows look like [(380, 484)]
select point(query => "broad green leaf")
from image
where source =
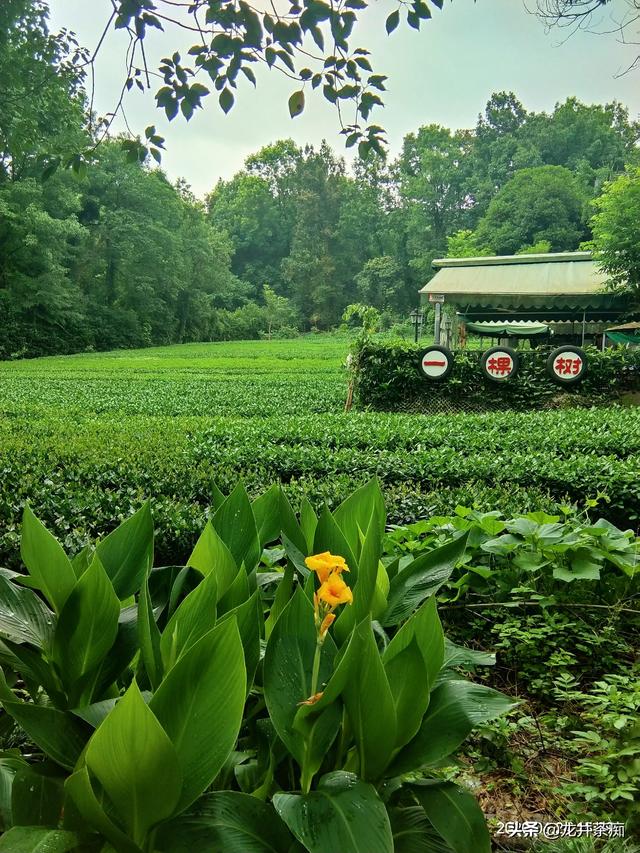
[(24, 617), (211, 555), (329, 537), (194, 618), (356, 513), (48, 565), (87, 625), (370, 706), (37, 797), (456, 816), (249, 619), (283, 594), (127, 552), (344, 815), (58, 734), (289, 523), (10, 763), (37, 839), (412, 661), (149, 638), (413, 832), (200, 705), (84, 798), (235, 523), (468, 658), (136, 764), (36, 671), (82, 560), (226, 821), (455, 709), (308, 524), (288, 665), (266, 510), (236, 595), (420, 579)]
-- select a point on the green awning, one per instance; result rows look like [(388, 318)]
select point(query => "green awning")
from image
[(500, 330), (624, 338)]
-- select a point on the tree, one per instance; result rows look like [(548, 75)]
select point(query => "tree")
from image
[(544, 203), (616, 232), (464, 244), (278, 311)]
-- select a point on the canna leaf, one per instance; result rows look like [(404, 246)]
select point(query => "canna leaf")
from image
[(127, 552), (48, 565)]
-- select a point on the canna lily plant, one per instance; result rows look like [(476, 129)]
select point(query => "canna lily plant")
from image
[(256, 700)]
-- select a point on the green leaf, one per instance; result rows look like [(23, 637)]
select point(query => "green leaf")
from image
[(308, 524), (249, 619), (136, 764), (329, 537), (455, 709), (149, 638), (127, 552), (87, 626), (370, 706), (296, 103), (236, 525), (48, 565), (226, 100), (24, 617), (194, 618), (283, 594), (344, 815), (10, 763), (226, 821), (83, 797), (422, 578), (57, 733), (412, 661), (392, 21), (212, 555), (413, 832), (37, 797), (36, 839), (200, 705), (266, 511), (355, 513), (288, 665), (456, 816)]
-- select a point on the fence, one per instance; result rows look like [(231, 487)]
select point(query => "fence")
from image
[(387, 377)]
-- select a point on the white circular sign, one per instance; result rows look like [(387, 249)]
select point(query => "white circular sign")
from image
[(500, 364), (435, 363), (568, 365)]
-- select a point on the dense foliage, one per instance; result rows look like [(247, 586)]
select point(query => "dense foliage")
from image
[(270, 708), (109, 253), (98, 434), (388, 377)]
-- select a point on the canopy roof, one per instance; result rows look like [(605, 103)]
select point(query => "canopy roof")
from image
[(563, 284), (499, 329)]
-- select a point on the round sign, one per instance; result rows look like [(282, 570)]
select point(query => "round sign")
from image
[(436, 362), (499, 363), (567, 365)]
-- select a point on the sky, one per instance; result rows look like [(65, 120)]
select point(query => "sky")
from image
[(443, 74)]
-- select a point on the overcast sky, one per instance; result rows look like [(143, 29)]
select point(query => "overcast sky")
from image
[(443, 74)]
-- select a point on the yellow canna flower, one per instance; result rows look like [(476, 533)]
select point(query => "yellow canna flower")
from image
[(327, 622), (334, 591), (326, 564)]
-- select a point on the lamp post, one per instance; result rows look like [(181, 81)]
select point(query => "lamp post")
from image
[(417, 318)]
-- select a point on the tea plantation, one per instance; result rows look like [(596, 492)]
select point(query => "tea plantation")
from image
[(85, 439), (549, 501)]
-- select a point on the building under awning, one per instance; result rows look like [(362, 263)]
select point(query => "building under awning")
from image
[(564, 286), (628, 333)]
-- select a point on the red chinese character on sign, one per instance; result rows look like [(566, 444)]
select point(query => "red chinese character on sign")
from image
[(500, 366), (568, 366)]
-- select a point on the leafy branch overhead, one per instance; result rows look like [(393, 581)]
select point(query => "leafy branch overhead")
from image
[(309, 42)]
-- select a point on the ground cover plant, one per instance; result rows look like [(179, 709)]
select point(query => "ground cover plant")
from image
[(85, 440)]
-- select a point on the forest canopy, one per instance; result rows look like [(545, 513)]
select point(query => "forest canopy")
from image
[(113, 254)]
